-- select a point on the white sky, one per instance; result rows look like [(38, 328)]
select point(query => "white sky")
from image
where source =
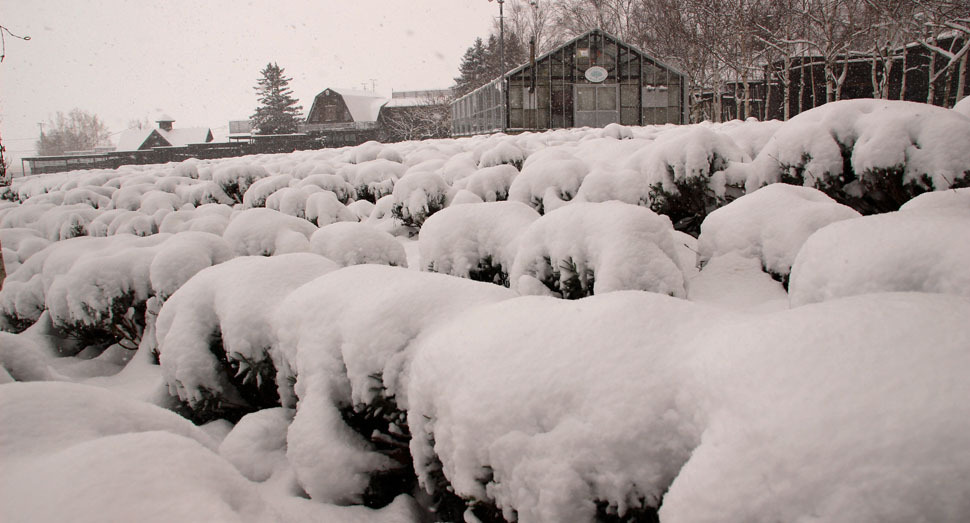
[(199, 60)]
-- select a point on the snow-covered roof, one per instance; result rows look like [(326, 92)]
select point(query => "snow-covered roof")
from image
[(186, 135), (364, 106), (133, 139), (411, 102)]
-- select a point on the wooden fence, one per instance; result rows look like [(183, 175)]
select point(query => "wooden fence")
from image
[(282, 143)]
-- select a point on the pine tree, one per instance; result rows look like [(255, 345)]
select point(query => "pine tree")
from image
[(278, 112), (473, 70), (481, 62)]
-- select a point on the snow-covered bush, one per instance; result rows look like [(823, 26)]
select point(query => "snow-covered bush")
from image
[(556, 411), (546, 185), (872, 155), (617, 132), (955, 199), (346, 340), (352, 243), (19, 244), (24, 294), (375, 179), (503, 153), (681, 168), (366, 152), (458, 166), (769, 224), (361, 209), (850, 410), (210, 217), (181, 256), (87, 196), (323, 208), (291, 201), (215, 337), (477, 241), (333, 183), (917, 250), (592, 248), (419, 195), (621, 403), (65, 221), (205, 192), (265, 232), (235, 178), (625, 185), (102, 297), (491, 184), (257, 193)]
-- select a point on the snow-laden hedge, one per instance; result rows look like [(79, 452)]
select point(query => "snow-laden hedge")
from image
[(872, 155), (216, 342), (345, 341), (352, 243), (477, 241), (548, 185), (913, 250), (265, 232), (769, 224), (555, 411), (681, 168), (591, 248)]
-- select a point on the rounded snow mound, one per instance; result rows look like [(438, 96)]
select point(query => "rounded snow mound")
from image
[(769, 224), (353, 243), (905, 251), (592, 248), (217, 350), (345, 340), (476, 241), (265, 232)]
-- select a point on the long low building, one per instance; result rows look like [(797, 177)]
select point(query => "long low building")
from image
[(592, 80)]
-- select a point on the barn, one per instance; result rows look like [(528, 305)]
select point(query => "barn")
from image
[(344, 116), (592, 80)]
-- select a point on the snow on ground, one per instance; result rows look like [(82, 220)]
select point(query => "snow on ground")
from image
[(318, 374)]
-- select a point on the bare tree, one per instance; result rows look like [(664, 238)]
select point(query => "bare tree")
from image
[(944, 26), (430, 118), (75, 131)]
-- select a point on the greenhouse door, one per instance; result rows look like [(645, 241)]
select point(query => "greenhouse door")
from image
[(596, 105)]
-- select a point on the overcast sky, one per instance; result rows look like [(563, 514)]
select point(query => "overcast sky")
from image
[(199, 60)]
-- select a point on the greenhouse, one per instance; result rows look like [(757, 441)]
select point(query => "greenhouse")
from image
[(591, 81)]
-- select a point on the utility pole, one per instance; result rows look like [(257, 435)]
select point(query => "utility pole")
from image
[(501, 52)]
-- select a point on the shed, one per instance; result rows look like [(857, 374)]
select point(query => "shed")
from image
[(592, 80)]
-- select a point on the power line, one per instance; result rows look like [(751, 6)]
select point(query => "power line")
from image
[(3, 41)]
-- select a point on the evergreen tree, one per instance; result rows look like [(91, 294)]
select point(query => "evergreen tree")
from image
[(472, 73), (278, 112), (482, 62), (515, 55)]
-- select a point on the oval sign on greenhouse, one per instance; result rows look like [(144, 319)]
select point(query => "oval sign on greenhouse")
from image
[(596, 74)]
